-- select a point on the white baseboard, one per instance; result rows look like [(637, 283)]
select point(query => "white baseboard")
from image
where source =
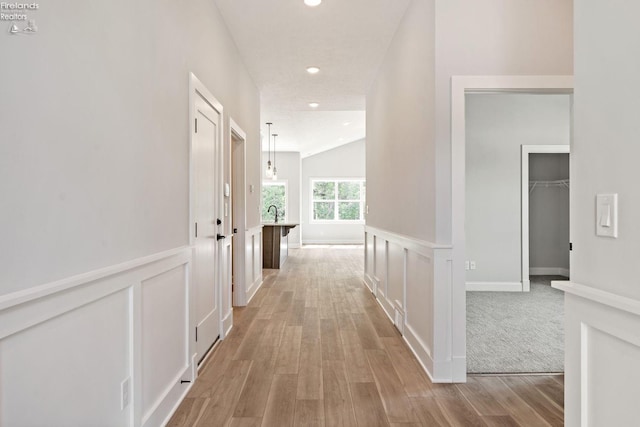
[(294, 245), (368, 281), (254, 288), (227, 323), (549, 271), (495, 286), (333, 242), (419, 350)]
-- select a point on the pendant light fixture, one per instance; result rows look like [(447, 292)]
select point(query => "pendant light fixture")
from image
[(269, 171), (275, 171)]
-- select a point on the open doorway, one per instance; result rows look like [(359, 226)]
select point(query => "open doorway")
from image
[(238, 141), (517, 230)]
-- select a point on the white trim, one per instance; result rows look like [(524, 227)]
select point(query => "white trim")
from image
[(256, 257), (419, 349), (227, 322), (548, 271), (618, 302), (28, 295), (495, 286), (524, 200), (198, 90), (410, 243), (460, 85), (331, 242), (238, 252), (23, 310), (434, 356), (362, 201)]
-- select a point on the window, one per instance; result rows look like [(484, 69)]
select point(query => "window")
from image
[(274, 193), (337, 200)]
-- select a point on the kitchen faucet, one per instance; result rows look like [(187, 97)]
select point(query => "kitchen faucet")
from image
[(276, 208)]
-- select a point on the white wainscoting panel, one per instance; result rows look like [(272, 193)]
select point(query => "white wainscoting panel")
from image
[(602, 357), (380, 266), (369, 256), (227, 295), (253, 261), (165, 329), (67, 371), (68, 346), (395, 278), (419, 326), (413, 281)]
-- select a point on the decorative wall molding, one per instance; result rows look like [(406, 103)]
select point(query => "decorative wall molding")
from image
[(495, 286), (151, 288), (548, 271), (20, 297), (599, 296), (602, 350), (411, 280), (331, 242), (253, 251)]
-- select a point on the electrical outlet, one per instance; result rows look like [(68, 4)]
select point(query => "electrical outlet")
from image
[(472, 265), (125, 386)]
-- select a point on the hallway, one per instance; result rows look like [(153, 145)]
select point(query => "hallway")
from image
[(314, 348)]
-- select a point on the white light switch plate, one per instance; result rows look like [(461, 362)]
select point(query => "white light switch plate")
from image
[(607, 215)]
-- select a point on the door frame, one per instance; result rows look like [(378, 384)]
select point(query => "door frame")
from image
[(460, 86), (198, 89), (238, 211), (524, 197)]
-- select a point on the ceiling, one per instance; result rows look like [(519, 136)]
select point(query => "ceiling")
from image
[(279, 39)]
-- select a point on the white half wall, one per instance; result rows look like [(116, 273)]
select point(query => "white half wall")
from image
[(496, 126), (407, 277), (346, 161)]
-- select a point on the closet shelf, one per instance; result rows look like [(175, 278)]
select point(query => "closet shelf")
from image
[(563, 183)]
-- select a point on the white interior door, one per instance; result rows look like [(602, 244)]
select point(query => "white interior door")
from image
[(206, 268), (238, 179)]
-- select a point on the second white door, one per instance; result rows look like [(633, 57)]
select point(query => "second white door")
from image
[(206, 274)]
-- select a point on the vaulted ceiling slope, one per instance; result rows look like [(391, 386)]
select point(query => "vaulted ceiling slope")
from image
[(346, 39)]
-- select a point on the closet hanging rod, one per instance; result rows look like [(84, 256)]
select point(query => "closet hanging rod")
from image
[(564, 183)]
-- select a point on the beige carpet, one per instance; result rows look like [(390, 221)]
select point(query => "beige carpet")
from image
[(516, 332)]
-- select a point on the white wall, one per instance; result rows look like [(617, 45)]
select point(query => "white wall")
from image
[(400, 130), (346, 161), (288, 165), (496, 127), (602, 314), (492, 37), (549, 216), (94, 173)]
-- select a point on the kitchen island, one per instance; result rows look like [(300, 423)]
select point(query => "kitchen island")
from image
[(275, 244)]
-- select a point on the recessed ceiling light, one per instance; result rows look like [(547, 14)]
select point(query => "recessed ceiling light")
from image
[(312, 3), (313, 70), (346, 123), (313, 104)]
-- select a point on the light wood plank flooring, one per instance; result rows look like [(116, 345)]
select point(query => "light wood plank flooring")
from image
[(313, 348)]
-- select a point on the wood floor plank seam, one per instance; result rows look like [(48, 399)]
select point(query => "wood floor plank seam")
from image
[(315, 347)]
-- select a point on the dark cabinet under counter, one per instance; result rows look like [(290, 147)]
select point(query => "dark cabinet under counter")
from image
[(275, 244)]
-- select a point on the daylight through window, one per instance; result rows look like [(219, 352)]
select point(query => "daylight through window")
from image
[(274, 193), (337, 200)]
